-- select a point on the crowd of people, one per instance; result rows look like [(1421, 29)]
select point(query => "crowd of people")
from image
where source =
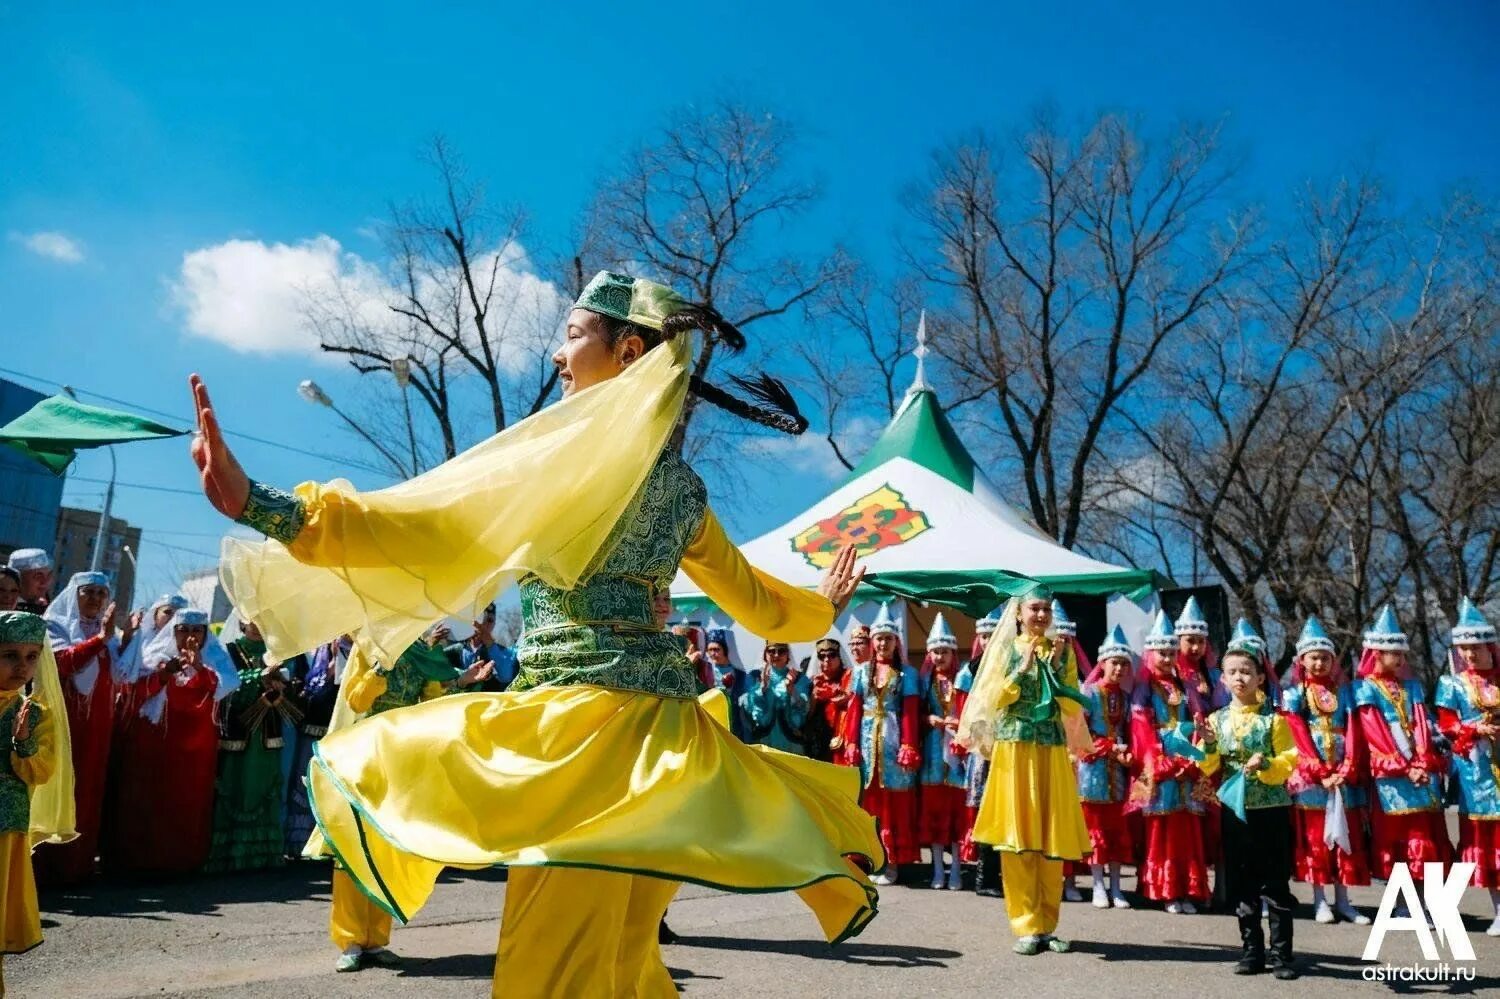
[(1338, 779), (604, 770), (159, 691), (1351, 775)]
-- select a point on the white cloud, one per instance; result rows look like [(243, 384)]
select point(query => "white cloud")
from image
[(811, 454), (258, 297), (52, 245)]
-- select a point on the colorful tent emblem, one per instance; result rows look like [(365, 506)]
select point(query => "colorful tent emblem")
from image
[(881, 519)]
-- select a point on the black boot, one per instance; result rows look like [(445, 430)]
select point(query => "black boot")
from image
[(664, 934), (1252, 942), (987, 873), (1279, 914)]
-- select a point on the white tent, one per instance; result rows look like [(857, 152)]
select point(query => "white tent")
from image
[(923, 514)]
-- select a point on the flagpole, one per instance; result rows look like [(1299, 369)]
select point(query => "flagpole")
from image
[(97, 558), (109, 499)]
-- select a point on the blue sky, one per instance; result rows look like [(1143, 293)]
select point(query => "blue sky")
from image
[(144, 133)]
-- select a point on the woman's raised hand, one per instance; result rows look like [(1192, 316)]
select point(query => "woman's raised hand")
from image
[(224, 482), (840, 581)]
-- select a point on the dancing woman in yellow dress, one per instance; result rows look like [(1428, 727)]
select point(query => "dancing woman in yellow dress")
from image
[(1019, 714), (598, 778)]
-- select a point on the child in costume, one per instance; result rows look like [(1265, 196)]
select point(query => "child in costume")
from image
[(1468, 706), (1254, 749), (944, 817), (729, 678), (830, 694), (597, 776), (35, 738), (1064, 630), (881, 732), (1407, 813), (1169, 791), (778, 701), (1104, 770), (1330, 803), (1030, 812), (984, 858)]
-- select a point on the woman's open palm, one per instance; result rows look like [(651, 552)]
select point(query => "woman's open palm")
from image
[(840, 581), (224, 482)]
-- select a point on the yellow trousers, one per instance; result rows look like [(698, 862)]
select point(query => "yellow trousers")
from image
[(575, 932), (353, 919), (1033, 892)]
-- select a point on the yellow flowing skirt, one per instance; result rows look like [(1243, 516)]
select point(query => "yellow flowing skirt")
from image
[(1031, 804), (590, 777)]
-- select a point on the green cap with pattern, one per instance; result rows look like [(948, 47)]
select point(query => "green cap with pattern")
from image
[(633, 300), (1035, 590), (21, 627)]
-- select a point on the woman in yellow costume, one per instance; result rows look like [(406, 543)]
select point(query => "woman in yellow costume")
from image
[(36, 773), (598, 778), (1019, 715)]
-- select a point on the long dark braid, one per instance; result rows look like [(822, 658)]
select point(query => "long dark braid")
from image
[(771, 403)]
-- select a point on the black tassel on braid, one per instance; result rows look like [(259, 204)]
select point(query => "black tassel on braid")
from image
[(771, 403), (780, 411)]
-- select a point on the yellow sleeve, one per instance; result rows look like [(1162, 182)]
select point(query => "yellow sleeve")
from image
[(36, 767), (1283, 762), (434, 689), (774, 610), (1210, 763), (362, 690)]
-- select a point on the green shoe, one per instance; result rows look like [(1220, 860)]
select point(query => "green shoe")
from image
[(1058, 945), (348, 962), (1028, 946)]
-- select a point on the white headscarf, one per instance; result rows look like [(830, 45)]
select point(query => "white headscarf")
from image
[(130, 666), (66, 626), (163, 646)]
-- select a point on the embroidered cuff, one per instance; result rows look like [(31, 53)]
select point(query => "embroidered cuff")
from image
[(274, 512), (26, 747)]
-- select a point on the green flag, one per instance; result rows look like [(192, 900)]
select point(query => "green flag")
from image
[(54, 429)]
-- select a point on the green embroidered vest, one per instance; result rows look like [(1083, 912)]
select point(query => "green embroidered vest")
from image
[(15, 794), (1234, 751), (1018, 721)]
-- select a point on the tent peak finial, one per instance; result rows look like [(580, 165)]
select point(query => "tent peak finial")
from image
[(919, 383)]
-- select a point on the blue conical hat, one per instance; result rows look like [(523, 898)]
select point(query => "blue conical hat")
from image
[(1245, 634), (884, 623), (1385, 634), (987, 624), (1314, 638), (1472, 628), (941, 636), (1161, 636), (1191, 621), (1116, 645), (1061, 623)]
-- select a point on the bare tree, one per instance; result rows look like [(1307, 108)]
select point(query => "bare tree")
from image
[(461, 305), (700, 206), (1070, 272)]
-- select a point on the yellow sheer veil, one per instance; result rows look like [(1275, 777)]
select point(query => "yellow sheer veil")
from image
[(976, 726), (52, 810), (541, 497)]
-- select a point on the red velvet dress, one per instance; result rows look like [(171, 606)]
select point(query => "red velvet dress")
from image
[(1406, 819), (1171, 796), (91, 724), (160, 815), (1329, 741)]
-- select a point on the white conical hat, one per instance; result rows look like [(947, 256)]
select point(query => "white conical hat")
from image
[(941, 636), (1116, 645), (1161, 636), (1191, 621), (885, 624), (1472, 628), (1061, 623)]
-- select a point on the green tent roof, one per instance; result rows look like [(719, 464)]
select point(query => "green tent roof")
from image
[(922, 434)]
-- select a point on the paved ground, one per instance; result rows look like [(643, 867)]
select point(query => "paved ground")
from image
[(263, 935)]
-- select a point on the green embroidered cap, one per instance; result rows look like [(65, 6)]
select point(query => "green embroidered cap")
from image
[(633, 300), (21, 627), (1037, 590)]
